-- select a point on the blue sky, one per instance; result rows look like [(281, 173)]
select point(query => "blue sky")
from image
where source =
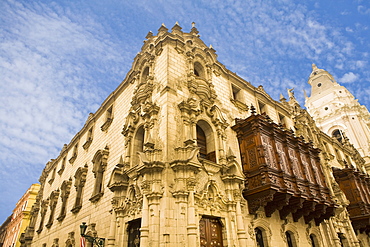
[(60, 59)]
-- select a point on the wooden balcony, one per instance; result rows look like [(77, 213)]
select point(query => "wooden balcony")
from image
[(356, 187), (282, 171)]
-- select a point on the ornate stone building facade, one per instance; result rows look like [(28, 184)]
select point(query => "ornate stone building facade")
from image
[(186, 153)]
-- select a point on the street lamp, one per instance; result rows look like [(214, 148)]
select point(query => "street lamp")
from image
[(93, 240)]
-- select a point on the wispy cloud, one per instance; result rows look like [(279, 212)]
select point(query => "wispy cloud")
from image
[(50, 64), (348, 78)]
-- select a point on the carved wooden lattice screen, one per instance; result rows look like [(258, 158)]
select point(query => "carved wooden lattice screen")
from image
[(356, 187), (282, 171)]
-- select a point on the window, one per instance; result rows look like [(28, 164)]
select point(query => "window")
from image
[(80, 179), (290, 239), (99, 165), (236, 93), (237, 98), (138, 145), (110, 112), (52, 176), (89, 138), (314, 242), (282, 120), (63, 166), (145, 75), (53, 200), (64, 194), (338, 134), (202, 144), (260, 237), (198, 70), (108, 119), (205, 141), (262, 107), (74, 154)]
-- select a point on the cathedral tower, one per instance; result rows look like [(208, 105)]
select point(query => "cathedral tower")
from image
[(338, 113)]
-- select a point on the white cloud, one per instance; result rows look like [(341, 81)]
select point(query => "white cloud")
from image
[(348, 78), (50, 67), (363, 10)]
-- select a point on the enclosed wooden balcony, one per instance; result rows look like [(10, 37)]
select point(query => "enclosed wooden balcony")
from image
[(356, 187), (282, 171)]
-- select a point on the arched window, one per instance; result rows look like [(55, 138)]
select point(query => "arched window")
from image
[(198, 70), (145, 74), (338, 134), (290, 239), (260, 237), (205, 141), (139, 139), (202, 143), (138, 145), (314, 242)]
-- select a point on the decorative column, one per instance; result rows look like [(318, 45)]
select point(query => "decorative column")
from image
[(240, 225), (153, 218), (144, 230), (112, 229), (192, 220)]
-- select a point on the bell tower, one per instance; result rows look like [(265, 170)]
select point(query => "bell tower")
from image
[(337, 112)]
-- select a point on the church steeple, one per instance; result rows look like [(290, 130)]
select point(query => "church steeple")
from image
[(335, 110), (320, 80)]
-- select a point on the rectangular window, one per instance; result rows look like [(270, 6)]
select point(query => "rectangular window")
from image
[(282, 120), (108, 119), (74, 154), (262, 107), (52, 176), (63, 166), (236, 93), (89, 138)]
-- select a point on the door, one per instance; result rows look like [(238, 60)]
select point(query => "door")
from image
[(133, 231), (210, 232)]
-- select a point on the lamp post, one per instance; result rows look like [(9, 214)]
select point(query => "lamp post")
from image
[(93, 240)]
